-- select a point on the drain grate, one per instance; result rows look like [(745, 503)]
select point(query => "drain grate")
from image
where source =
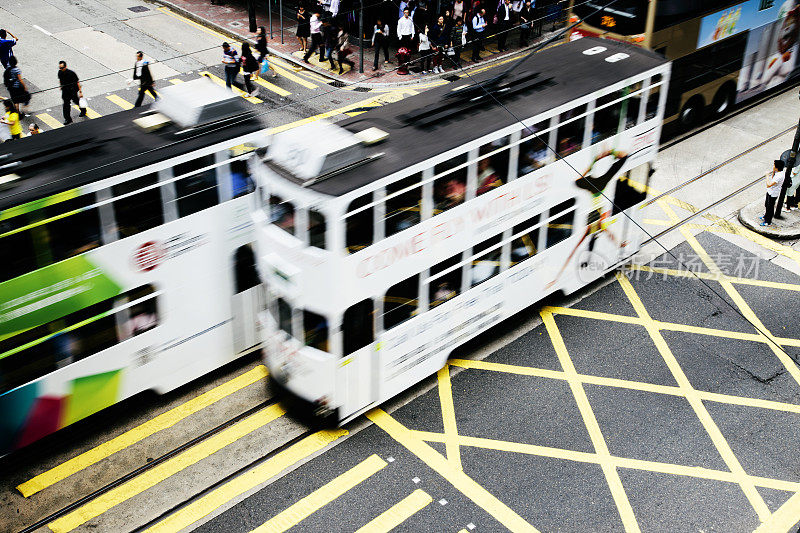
[(138, 9), (451, 77), (337, 83), (363, 89)]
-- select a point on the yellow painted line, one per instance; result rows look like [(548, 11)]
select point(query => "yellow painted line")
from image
[(166, 469), (784, 519), (200, 27), (462, 482), (236, 90), (121, 102), (398, 513), (132, 436), (262, 473), (715, 277), (50, 120), (90, 113), (624, 507), (696, 403), (285, 64), (449, 416), (321, 497), (597, 315), (290, 76), (176, 81), (272, 87)]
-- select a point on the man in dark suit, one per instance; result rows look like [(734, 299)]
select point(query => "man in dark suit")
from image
[(504, 14), (141, 72)]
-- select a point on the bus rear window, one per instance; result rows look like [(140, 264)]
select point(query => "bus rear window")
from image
[(623, 17)]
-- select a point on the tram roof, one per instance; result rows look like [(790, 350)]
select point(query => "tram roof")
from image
[(93, 150), (574, 74)]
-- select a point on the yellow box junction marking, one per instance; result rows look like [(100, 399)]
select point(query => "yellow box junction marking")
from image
[(598, 441), (785, 518), (164, 470), (50, 120), (262, 473), (132, 436), (121, 102), (462, 482), (449, 416), (236, 90), (272, 87), (397, 513), (321, 497)]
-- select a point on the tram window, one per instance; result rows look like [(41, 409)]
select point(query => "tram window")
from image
[(450, 190), (360, 226), (17, 251), (197, 192), (561, 227), (533, 151), (357, 327), (486, 266), (570, 135), (316, 229), (284, 316), (142, 316), (631, 188), (138, 212), (606, 119), (281, 213), (245, 273), (401, 302), (526, 244), (316, 331), (193, 164), (493, 169), (632, 104), (652, 99), (403, 210), (446, 286), (75, 234), (241, 182)]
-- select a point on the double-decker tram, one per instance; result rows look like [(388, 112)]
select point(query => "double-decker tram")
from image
[(723, 51), (126, 257), (386, 240)]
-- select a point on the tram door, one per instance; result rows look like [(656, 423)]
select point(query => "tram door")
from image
[(246, 299), (630, 192), (356, 370)]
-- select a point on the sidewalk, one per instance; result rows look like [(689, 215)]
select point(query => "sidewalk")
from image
[(787, 227), (231, 19)]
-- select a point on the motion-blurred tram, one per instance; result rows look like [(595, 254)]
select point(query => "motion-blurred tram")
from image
[(386, 240)]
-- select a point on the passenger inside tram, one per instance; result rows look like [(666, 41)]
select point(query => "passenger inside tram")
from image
[(533, 151), (281, 213), (443, 293), (487, 176), (449, 193)]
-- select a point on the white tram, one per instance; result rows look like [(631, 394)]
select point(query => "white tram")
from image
[(386, 240)]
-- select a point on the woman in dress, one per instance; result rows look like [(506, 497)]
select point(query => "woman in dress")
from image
[(303, 28)]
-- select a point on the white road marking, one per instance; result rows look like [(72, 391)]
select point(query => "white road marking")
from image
[(42, 30)]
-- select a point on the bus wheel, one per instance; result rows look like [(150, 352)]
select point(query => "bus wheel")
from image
[(724, 100), (691, 113)]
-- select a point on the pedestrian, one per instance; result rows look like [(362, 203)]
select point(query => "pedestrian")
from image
[(330, 35), (503, 24), (71, 91), (774, 184), (5, 46), (440, 40), (141, 72), (33, 129), (342, 51), (425, 53), (458, 10), (261, 43), (380, 41), (230, 58), (526, 22), (405, 30), (17, 90), (11, 119), (420, 18), (303, 28), (315, 26), (456, 42), (478, 28), (249, 68)]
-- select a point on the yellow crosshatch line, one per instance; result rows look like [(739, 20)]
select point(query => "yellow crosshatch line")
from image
[(163, 421), (397, 513), (449, 416), (629, 521)]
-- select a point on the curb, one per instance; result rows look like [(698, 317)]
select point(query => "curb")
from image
[(783, 234), (327, 73)]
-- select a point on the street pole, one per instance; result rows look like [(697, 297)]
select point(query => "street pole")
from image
[(280, 15), (269, 3), (789, 166), (361, 37)]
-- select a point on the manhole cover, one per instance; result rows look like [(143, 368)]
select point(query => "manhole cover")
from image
[(337, 83), (138, 9), (363, 89), (235, 24)]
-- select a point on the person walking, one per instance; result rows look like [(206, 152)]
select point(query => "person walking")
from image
[(330, 36), (380, 41), (6, 46), (230, 58), (141, 72), (261, 43), (315, 26), (456, 42), (526, 22), (249, 68), (11, 119), (17, 90), (405, 30), (478, 28), (425, 54), (504, 14), (342, 51), (303, 28), (71, 91), (774, 184)]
